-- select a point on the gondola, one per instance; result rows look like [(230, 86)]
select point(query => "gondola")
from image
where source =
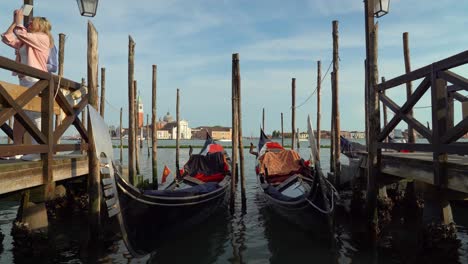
[(149, 218), (152, 217), (292, 187)]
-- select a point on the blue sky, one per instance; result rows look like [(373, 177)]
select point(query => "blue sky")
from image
[(192, 43)]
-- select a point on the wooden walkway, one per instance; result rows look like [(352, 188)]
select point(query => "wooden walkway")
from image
[(420, 166), (17, 175)]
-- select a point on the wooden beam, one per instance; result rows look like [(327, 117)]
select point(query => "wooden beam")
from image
[(456, 132), (442, 65), (47, 128), (459, 81), (406, 117)]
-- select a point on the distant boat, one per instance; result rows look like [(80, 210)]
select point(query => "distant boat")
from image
[(224, 140)]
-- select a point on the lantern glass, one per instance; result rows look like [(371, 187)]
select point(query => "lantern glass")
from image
[(381, 7), (87, 7)]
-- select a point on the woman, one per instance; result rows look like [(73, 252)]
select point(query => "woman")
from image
[(32, 46)]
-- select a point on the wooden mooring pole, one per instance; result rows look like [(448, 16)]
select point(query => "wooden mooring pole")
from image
[(335, 103), (239, 132), (83, 114), (373, 159), (61, 59), (293, 112), (136, 126), (177, 133), (332, 131), (121, 137), (409, 84), (282, 131), (94, 189), (319, 106), (147, 134), (154, 132), (235, 138), (385, 116), (103, 92), (263, 119), (131, 114)]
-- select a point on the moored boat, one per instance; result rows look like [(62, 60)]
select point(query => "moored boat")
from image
[(152, 217), (292, 188)]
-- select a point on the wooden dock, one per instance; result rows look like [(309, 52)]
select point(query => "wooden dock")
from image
[(419, 166), (16, 175)]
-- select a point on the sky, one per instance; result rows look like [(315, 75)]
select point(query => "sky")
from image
[(192, 43)]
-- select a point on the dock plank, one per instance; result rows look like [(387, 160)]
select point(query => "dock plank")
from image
[(17, 175), (419, 166)]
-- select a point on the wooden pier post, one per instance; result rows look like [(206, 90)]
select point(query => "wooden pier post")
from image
[(263, 120), (293, 112), (409, 85), (235, 138), (385, 116), (336, 106), (282, 131), (136, 126), (103, 92), (439, 128), (177, 133), (374, 154), (319, 114), (154, 132), (10, 124), (131, 114), (239, 133), (61, 59), (94, 166), (83, 115), (121, 138)]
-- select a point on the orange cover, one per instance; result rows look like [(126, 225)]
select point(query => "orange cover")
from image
[(280, 163)]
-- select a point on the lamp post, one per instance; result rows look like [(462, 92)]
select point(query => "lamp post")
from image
[(373, 8), (87, 7)]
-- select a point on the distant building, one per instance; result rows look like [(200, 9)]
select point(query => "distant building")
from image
[(357, 134), (216, 132)]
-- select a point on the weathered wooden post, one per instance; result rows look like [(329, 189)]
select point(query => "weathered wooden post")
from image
[(61, 59), (332, 131), (235, 74), (83, 115), (298, 139), (374, 154), (385, 116), (319, 106), (103, 92), (10, 124), (239, 132), (154, 132), (409, 85), (177, 133), (131, 114), (94, 166), (263, 119), (136, 126), (293, 112), (121, 138), (282, 131), (147, 134), (336, 117)]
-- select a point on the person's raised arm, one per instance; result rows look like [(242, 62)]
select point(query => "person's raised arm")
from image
[(9, 37)]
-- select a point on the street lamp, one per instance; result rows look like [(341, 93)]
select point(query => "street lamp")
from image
[(87, 7), (381, 7)]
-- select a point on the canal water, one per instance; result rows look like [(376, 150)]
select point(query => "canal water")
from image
[(258, 236)]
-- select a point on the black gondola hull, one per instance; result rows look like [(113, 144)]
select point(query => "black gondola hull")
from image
[(151, 221)]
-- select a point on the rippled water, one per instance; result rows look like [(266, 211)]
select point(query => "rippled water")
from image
[(258, 236)]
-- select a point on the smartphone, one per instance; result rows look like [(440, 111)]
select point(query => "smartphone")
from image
[(27, 9)]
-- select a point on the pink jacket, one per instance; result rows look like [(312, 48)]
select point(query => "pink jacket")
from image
[(37, 45)]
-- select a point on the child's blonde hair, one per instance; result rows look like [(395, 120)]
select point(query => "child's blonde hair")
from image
[(41, 24)]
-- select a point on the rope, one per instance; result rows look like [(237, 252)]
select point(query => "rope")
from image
[(332, 207), (321, 81)]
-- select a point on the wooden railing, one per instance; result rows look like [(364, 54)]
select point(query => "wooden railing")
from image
[(442, 139), (44, 91)]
